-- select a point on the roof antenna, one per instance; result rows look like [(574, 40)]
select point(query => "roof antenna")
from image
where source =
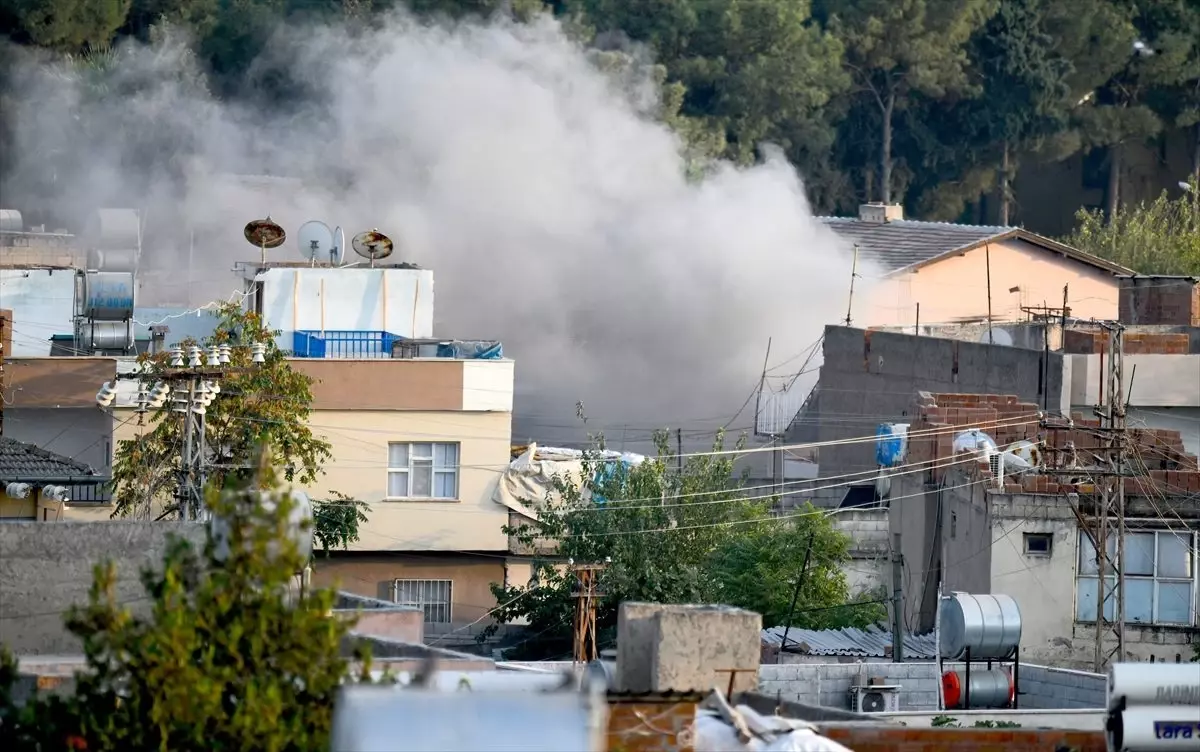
[(853, 274)]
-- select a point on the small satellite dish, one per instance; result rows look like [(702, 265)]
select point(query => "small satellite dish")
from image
[(264, 234), (372, 245), (339, 246), (316, 240)]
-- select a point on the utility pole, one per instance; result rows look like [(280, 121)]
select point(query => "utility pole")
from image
[(587, 597), (787, 625), (897, 601), (1111, 517)]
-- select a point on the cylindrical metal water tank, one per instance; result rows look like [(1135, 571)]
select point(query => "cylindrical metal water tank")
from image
[(114, 229), (112, 261), (93, 336), (10, 221), (1153, 684), (107, 296), (990, 688), (990, 625)]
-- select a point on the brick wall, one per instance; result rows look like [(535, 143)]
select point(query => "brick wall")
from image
[(1159, 300), (1093, 341), (872, 738), (828, 684), (1004, 417)]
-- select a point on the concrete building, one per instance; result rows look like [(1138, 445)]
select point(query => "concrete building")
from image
[(869, 377), (943, 273), (1031, 538)]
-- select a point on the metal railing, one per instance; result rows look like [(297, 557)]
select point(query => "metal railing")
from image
[(343, 344)]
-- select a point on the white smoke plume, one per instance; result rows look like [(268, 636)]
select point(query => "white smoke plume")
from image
[(551, 206)]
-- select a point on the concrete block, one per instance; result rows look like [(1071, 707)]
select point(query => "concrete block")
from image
[(682, 648)]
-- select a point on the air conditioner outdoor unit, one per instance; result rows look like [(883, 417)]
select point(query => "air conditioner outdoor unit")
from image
[(877, 698)]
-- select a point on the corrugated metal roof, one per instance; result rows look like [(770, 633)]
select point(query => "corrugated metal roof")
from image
[(901, 243), (869, 643)]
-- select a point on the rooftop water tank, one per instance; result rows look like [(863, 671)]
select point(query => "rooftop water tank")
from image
[(990, 625), (891, 444), (114, 229), (107, 296), (10, 221)]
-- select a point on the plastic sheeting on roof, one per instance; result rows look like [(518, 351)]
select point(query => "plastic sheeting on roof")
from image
[(869, 643), (530, 477)]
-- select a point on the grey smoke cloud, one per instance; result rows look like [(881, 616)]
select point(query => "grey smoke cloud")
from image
[(552, 208)]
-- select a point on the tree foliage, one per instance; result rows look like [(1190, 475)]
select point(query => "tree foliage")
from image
[(671, 533), (1159, 237), (934, 104), (228, 654), (260, 404)]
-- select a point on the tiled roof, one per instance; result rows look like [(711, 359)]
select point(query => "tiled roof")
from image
[(901, 243), (868, 643), (25, 462)]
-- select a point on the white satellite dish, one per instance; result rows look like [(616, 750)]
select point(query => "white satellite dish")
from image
[(338, 251), (316, 240), (997, 337)]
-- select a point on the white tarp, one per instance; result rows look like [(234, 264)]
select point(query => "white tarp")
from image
[(766, 734), (530, 477)]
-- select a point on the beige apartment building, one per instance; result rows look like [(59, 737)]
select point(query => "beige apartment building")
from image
[(423, 441)]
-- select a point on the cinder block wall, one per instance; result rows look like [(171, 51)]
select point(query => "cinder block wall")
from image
[(46, 567), (828, 684), (1045, 688)]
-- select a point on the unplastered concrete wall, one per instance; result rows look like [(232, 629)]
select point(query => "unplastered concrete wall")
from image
[(45, 568), (828, 684), (872, 377)]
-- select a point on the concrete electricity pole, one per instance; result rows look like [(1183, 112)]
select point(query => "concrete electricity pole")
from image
[(898, 601)]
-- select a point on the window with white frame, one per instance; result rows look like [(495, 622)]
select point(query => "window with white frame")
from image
[(431, 596), (1160, 578), (422, 470)]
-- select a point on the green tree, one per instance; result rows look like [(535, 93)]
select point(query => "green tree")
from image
[(897, 48), (258, 404), (65, 25), (758, 569), (229, 654), (978, 143), (753, 71), (666, 534), (1159, 237)]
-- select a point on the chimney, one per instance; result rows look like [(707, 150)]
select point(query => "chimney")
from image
[(880, 213), (158, 336)]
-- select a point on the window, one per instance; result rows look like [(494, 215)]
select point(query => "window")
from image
[(1039, 544), (1160, 579), (422, 471), (431, 596)]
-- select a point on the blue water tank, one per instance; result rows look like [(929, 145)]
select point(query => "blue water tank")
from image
[(891, 444)]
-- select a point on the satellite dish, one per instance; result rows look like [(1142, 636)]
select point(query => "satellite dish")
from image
[(264, 234), (998, 337), (316, 240), (339, 246), (372, 245)]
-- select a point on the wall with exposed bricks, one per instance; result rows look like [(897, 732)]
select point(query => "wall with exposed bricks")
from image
[(1159, 300), (1095, 341), (875, 738)]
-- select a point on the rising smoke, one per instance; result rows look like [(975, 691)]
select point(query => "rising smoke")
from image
[(552, 208)]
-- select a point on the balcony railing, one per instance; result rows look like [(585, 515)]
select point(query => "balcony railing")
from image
[(343, 344), (380, 344)]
